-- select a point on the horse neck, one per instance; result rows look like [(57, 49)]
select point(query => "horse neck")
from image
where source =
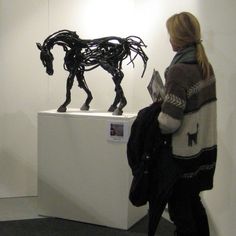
[(60, 40)]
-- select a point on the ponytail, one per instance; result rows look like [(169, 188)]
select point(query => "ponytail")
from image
[(203, 61)]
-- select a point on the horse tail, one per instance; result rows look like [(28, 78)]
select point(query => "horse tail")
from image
[(135, 45)]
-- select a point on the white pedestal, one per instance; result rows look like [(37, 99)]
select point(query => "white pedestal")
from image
[(83, 171)]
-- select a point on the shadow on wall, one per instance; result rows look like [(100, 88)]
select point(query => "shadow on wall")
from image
[(18, 156), (218, 200)]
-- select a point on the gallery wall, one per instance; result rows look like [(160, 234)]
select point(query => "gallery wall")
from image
[(220, 36), (25, 88), (22, 94)]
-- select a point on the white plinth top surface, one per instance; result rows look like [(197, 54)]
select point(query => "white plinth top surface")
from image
[(91, 113)]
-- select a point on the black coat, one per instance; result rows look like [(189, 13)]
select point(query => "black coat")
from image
[(146, 139)]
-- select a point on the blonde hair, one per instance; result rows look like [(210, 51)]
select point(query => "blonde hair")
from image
[(184, 30)]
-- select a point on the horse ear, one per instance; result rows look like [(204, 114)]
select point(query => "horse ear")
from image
[(39, 46)]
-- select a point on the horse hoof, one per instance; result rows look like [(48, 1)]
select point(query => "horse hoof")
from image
[(84, 108), (117, 112), (112, 108), (61, 109)]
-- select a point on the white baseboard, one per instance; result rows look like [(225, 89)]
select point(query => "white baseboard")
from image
[(18, 208)]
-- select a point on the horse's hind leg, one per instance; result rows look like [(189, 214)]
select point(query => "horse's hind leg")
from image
[(69, 84), (117, 76), (82, 84), (120, 98), (113, 106), (123, 101)]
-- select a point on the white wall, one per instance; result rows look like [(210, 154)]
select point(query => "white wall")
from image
[(26, 89), (22, 94), (220, 40)]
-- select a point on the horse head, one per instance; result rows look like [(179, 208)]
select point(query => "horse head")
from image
[(46, 58)]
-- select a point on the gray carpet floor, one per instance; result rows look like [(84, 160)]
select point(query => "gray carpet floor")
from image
[(61, 227)]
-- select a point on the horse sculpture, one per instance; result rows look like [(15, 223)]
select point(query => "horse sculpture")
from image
[(85, 55)]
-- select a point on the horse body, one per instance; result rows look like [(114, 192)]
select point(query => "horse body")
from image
[(85, 55)]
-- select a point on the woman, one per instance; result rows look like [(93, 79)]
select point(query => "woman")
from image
[(189, 114)]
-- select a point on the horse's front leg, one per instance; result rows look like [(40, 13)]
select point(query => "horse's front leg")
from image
[(69, 84), (82, 84)]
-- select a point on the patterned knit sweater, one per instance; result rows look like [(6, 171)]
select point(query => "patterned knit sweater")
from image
[(191, 101)]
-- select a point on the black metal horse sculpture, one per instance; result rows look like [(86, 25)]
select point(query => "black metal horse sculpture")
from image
[(85, 55)]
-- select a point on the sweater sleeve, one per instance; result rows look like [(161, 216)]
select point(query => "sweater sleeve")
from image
[(174, 102), (168, 124)]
